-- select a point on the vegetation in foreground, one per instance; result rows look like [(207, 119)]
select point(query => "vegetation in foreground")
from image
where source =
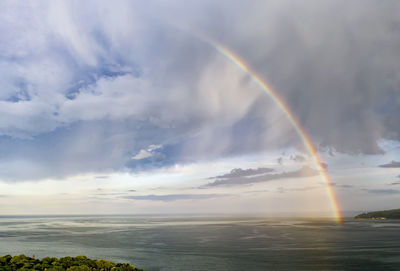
[(387, 214), (79, 263)]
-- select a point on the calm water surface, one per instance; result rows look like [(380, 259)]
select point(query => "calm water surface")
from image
[(200, 243)]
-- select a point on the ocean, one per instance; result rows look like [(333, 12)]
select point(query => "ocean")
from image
[(166, 243)]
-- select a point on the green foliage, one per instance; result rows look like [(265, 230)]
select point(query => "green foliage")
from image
[(78, 263), (387, 214)]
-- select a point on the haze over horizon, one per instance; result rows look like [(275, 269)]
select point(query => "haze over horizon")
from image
[(122, 108)]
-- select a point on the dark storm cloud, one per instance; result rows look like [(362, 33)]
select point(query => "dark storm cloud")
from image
[(334, 62), (305, 171), (393, 164), (175, 197), (95, 83)]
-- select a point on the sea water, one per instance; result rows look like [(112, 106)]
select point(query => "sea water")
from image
[(208, 243)]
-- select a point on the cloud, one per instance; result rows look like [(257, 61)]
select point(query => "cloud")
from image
[(86, 87), (141, 155), (342, 185), (298, 158), (146, 153), (238, 172), (175, 197), (284, 190), (305, 171), (393, 164), (383, 191), (102, 177), (109, 194), (395, 183)]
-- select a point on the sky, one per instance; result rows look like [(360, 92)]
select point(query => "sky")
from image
[(125, 107)]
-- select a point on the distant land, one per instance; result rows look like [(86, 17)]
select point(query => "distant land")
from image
[(386, 214)]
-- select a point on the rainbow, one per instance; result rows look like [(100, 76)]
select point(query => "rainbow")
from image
[(290, 116)]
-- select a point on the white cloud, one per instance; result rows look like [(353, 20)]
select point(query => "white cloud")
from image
[(141, 155), (149, 152)]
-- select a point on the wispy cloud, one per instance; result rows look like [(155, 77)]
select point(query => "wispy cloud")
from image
[(238, 172), (110, 194), (102, 177), (393, 164), (298, 158), (346, 186), (299, 189), (232, 180), (175, 197), (383, 191)]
